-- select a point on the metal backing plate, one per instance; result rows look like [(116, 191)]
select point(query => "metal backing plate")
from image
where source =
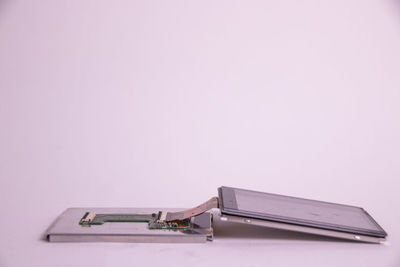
[(301, 229), (66, 228)]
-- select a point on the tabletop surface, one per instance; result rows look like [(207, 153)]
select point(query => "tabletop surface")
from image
[(159, 103)]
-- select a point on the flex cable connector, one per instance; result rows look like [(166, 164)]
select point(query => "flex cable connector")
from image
[(185, 214), (162, 215), (88, 217)]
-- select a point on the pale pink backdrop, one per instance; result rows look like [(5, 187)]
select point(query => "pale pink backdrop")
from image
[(157, 103)]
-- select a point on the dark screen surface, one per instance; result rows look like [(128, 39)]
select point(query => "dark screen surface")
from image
[(298, 211)]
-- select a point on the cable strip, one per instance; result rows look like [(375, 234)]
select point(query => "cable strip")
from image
[(185, 214)]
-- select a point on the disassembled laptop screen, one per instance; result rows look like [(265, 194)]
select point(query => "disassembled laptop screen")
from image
[(298, 211)]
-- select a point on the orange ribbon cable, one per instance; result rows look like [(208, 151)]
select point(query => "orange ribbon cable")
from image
[(185, 214)]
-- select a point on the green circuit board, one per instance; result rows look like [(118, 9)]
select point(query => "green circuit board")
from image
[(91, 218)]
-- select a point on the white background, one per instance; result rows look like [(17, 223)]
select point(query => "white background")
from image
[(158, 103)]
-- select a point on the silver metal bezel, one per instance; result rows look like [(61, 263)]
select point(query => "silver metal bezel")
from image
[(301, 229)]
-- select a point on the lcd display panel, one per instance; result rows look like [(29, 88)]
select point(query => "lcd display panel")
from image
[(299, 211)]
